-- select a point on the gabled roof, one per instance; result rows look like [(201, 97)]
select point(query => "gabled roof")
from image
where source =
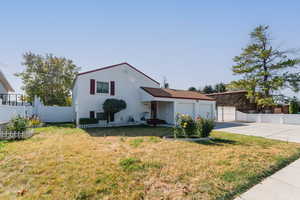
[(117, 65), (5, 83), (178, 94)]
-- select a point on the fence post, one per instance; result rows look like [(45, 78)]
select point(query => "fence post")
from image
[(282, 120), (259, 118)]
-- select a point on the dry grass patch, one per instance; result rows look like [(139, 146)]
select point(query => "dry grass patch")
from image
[(69, 163)]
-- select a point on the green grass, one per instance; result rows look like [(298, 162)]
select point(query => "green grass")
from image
[(62, 162)]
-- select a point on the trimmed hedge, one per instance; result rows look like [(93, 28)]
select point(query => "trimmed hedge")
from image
[(88, 121)]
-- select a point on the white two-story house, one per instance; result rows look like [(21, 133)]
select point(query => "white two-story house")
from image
[(143, 96)]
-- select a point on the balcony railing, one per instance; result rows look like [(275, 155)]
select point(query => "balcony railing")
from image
[(13, 100)]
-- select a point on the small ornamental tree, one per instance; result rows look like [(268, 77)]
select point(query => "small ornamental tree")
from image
[(294, 106), (112, 106)]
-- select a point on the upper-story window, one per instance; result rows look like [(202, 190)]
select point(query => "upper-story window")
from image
[(102, 87)]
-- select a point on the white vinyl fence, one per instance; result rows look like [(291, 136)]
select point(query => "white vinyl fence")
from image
[(269, 118), (56, 114), (53, 113), (45, 113), (7, 112)]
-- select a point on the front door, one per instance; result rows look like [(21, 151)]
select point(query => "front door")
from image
[(153, 109)]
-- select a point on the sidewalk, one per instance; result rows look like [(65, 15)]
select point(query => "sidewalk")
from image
[(283, 185)]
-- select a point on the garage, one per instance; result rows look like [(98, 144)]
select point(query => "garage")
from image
[(205, 110), (186, 109), (226, 113)]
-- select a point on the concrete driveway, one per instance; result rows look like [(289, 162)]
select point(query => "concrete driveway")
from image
[(283, 185), (284, 132)]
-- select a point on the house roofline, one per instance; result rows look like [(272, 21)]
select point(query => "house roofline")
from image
[(158, 96), (5, 82), (111, 66)]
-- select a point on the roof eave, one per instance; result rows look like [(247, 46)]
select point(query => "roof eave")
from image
[(111, 66), (5, 83), (157, 96)]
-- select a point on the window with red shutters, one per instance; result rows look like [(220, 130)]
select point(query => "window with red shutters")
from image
[(112, 88), (92, 86)]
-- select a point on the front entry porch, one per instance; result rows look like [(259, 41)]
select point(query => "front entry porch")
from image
[(161, 111)]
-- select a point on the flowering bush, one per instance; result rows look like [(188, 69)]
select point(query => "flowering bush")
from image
[(34, 122), (186, 126), (204, 126)]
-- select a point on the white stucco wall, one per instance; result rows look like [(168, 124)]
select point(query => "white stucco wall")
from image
[(165, 111), (127, 87), (269, 118)]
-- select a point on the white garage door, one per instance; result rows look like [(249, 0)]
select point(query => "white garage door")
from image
[(186, 109), (226, 113), (205, 111)]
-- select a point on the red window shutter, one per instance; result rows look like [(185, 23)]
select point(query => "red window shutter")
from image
[(92, 86), (112, 88)]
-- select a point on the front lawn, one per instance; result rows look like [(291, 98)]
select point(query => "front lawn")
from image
[(69, 163)]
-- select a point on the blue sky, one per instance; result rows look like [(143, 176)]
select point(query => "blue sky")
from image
[(192, 43)]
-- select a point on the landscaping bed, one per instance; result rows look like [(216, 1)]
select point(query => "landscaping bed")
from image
[(135, 163)]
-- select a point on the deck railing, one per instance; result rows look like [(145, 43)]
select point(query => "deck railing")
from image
[(13, 100)]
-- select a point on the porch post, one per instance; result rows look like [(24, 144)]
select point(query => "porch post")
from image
[(153, 109), (175, 113)]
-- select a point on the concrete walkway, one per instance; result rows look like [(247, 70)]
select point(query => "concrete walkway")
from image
[(284, 184)]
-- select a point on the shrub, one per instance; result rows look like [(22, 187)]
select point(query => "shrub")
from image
[(34, 122), (185, 126), (88, 121), (204, 126), (112, 106), (18, 124), (294, 106)]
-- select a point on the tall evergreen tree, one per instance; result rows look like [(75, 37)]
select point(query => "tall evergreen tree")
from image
[(208, 89), (192, 89), (220, 87), (265, 70)]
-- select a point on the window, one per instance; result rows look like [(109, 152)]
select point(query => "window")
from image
[(101, 116), (92, 115), (112, 88), (102, 87)]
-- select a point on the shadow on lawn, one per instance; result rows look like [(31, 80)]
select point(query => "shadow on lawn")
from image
[(129, 131), (217, 142)]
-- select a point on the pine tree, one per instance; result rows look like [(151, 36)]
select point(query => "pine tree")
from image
[(265, 70)]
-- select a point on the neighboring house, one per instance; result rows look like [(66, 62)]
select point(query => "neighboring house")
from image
[(5, 88), (230, 102), (142, 94)]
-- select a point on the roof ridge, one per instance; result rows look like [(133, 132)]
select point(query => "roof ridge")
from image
[(115, 65)]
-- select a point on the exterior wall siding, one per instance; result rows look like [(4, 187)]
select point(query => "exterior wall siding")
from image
[(127, 83)]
